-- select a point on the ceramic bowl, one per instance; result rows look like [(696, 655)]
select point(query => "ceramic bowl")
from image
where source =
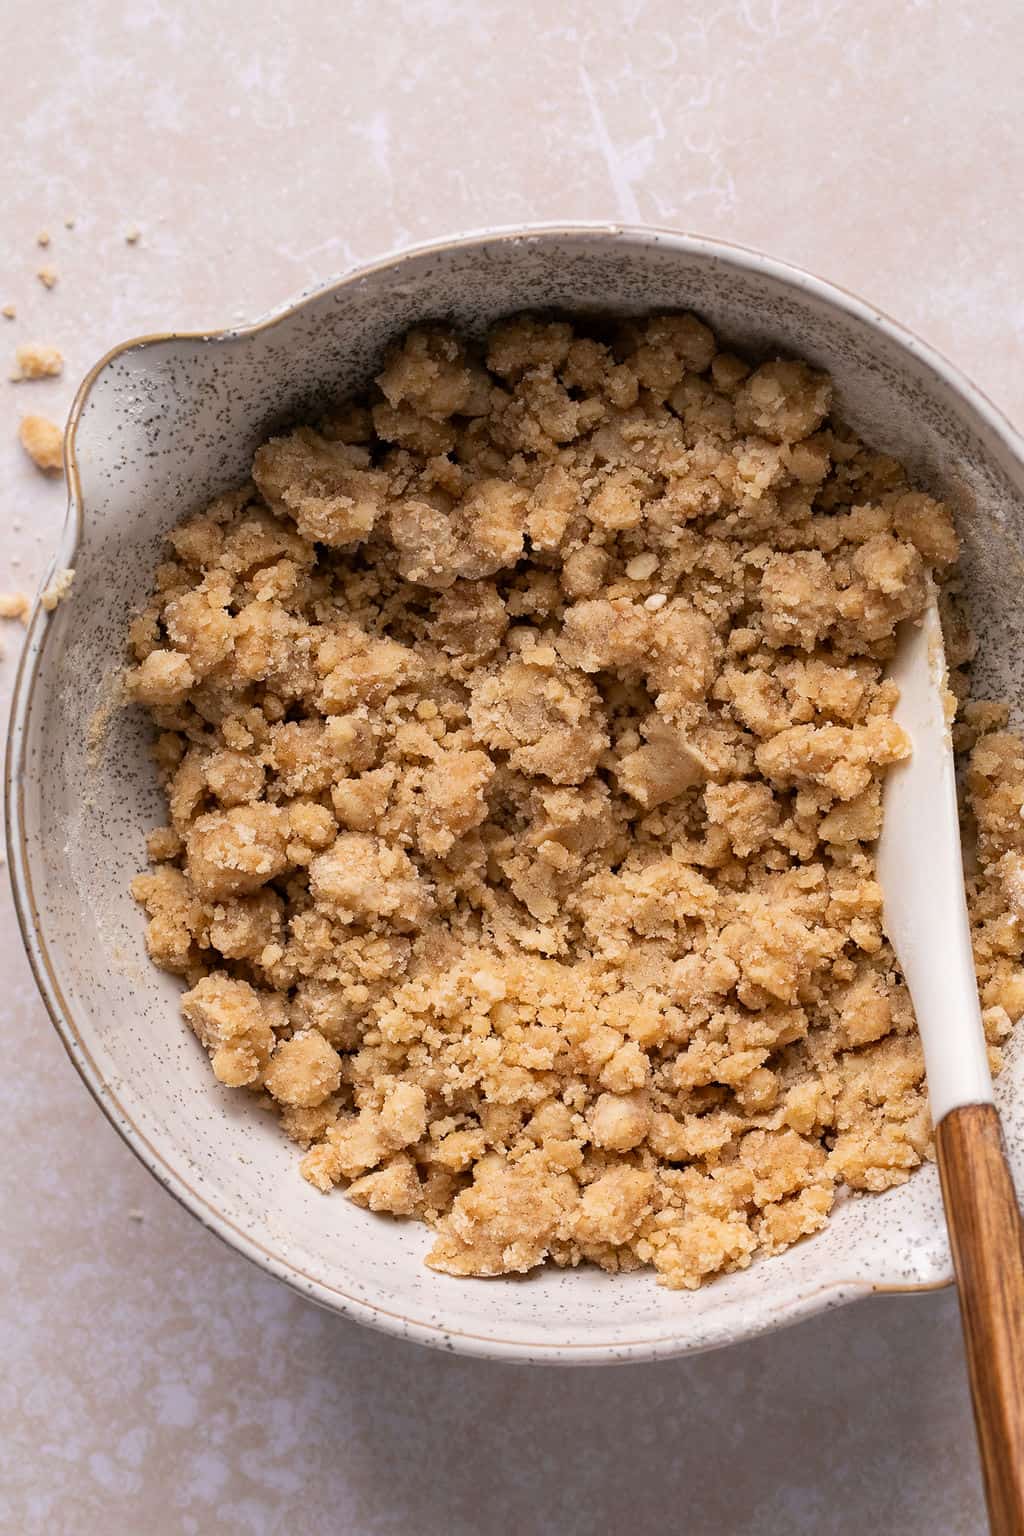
[(163, 424)]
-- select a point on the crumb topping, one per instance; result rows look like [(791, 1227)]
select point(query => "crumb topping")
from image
[(43, 441), (15, 605), (35, 360), (57, 590), (523, 725)]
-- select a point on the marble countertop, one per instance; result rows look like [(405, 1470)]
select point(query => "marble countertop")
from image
[(153, 1381)]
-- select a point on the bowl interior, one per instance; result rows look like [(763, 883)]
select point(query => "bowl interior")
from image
[(164, 426)]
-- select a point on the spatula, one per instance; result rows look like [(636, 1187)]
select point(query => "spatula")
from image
[(925, 915)]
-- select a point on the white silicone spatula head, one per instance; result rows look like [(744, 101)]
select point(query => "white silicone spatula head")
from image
[(921, 873)]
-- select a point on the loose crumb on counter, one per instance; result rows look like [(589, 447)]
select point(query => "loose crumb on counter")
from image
[(523, 725), (43, 237), (47, 276), (37, 360), (9, 312), (133, 235), (43, 441), (58, 589), (15, 605)]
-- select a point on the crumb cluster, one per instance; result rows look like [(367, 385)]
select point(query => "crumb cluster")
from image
[(15, 605), (36, 360), (523, 726), (56, 590), (43, 441)]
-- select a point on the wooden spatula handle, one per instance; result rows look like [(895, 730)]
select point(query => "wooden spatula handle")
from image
[(986, 1235)]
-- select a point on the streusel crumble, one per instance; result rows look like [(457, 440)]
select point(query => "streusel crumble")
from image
[(523, 726)]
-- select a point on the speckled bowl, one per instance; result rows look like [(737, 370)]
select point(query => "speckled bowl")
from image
[(164, 423)]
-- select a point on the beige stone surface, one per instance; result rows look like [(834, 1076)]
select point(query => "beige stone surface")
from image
[(152, 1381)]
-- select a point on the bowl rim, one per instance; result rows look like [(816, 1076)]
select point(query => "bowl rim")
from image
[(832, 1293)]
